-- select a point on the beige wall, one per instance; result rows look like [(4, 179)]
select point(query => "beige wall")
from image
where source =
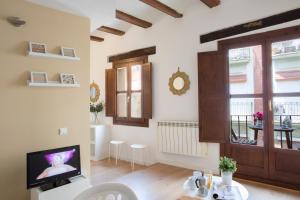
[(30, 117)]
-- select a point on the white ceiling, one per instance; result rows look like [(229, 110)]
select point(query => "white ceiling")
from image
[(102, 12)]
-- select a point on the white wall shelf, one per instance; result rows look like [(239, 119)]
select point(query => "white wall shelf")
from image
[(51, 55), (53, 84)]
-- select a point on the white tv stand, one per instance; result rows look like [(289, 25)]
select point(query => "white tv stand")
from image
[(66, 192)]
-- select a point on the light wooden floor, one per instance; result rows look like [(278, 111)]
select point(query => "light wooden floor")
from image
[(164, 182)]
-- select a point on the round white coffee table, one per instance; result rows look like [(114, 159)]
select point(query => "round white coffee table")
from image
[(216, 179)]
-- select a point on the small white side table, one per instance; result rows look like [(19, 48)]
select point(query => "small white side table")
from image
[(66, 192), (135, 147), (216, 179), (118, 145)]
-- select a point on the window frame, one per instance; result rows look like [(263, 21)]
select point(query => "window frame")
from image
[(129, 121)]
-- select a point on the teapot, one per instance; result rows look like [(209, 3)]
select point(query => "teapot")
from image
[(201, 185)]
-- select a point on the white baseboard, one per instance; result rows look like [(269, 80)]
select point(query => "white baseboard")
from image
[(147, 163), (193, 165), (179, 164)]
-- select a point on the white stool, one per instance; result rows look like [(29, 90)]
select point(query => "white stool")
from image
[(137, 147), (117, 144)]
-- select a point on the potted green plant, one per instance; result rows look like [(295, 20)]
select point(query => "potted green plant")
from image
[(227, 167), (95, 109)]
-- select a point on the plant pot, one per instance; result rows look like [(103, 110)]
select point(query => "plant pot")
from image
[(226, 178), (95, 119), (259, 122)]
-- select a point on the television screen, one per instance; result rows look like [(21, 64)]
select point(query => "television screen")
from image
[(52, 165)]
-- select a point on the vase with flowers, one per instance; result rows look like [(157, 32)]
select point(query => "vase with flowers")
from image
[(95, 109), (258, 118)]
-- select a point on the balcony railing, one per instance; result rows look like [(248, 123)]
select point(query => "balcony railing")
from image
[(280, 108), (239, 54), (286, 47), (240, 124)]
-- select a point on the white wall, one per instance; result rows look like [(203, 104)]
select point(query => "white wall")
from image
[(177, 44)]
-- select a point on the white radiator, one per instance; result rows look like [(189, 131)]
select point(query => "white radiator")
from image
[(180, 137)]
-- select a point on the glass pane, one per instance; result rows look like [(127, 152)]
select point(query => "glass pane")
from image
[(286, 66), (122, 79), (136, 77), (286, 122), (245, 70), (122, 104), (136, 105), (247, 121)]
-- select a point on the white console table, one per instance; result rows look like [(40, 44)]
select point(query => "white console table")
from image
[(100, 138), (66, 192)]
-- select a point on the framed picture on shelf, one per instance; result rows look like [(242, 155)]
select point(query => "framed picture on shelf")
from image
[(37, 47), (39, 77), (69, 52), (67, 78)]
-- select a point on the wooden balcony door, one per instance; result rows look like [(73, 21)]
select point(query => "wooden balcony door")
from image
[(246, 75), (263, 75), (283, 61)]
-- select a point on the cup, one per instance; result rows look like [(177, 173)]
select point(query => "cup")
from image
[(209, 175)]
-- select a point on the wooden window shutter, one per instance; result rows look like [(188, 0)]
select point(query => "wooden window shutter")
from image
[(110, 92), (147, 90), (213, 122)]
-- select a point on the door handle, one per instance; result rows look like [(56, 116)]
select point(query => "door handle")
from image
[(270, 105), (128, 99)]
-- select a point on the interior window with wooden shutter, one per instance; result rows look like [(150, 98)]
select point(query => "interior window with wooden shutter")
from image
[(212, 97), (133, 93)]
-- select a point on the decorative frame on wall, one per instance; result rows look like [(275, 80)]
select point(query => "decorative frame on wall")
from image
[(38, 77), (67, 78), (94, 92), (37, 47), (69, 52), (179, 83)]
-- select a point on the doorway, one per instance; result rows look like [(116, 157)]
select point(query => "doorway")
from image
[(263, 76)]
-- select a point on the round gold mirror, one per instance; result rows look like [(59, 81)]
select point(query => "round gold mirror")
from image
[(179, 83), (94, 92)]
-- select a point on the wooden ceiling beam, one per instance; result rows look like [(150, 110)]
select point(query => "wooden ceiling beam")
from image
[(96, 39), (211, 3), (132, 20), (163, 8), (273, 20), (111, 30), (133, 54)]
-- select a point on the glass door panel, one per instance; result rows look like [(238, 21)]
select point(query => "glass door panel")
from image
[(286, 94), (246, 95), (245, 70), (247, 121), (286, 122)]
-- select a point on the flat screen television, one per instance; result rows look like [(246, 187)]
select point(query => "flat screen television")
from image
[(52, 168)]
